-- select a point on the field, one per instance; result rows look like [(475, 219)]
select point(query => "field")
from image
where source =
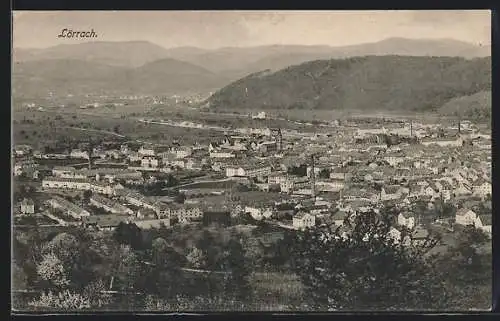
[(215, 184), (38, 128), (276, 289), (34, 220)]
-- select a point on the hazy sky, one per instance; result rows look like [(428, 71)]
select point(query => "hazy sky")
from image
[(212, 29)]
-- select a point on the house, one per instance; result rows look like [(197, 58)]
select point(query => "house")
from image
[(294, 183), (22, 150), (102, 188), (27, 206), (406, 219), (268, 147), (77, 153), (147, 151), (431, 190), (276, 178), (61, 171), (332, 185), (154, 223), (258, 213), (303, 220), (357, 206), (338, 174), (136, 199), (317, 208), (481, 188), (250, 170), (146, 213), (483, 222), (218, 154), (150, 162), (103, 222), (69, 208), (185, 213), (237, 210), (394, 159), (445, 189), (462, 189), (260, 115), (110, 205), (443, 142), (397, 237), (419, 235), (465, 216), (359, 194), (181, 151), (66, 183)]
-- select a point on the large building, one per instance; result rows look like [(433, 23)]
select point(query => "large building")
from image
[(294, 183), (67, 207), (303, 220), (248, 170), (110, 205), (66, 183)]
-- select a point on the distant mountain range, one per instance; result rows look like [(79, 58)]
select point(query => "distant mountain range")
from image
[(70, 76), (123, 54), (143, 67), (390, 83)]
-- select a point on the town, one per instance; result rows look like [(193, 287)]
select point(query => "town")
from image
[(291, 182)]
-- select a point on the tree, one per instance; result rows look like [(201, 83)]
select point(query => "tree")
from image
[(130, 269), (19, 277), (159, 250), (87, 194), (196, 258), (444, 210), (95, 294), (298, 170), (51, 269), (365, 268), (180, 198), (129, 234), (254, 253), (234, 262), (66, 247), (65, 300), (324, 173), (467, 270)]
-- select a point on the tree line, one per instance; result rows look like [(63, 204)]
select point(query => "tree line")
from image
[(358, 266)]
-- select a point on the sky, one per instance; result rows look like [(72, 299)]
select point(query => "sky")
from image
[(215, 29)]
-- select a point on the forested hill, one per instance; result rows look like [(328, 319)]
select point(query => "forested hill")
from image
[(477, 106), (399, 83)]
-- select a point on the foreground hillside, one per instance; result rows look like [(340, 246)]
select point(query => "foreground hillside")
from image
[(398, 83)]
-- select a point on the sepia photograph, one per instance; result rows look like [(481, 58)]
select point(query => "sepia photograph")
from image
[(251, 161)]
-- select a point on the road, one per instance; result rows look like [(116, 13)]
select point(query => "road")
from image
[(199, 182), (96, 131)]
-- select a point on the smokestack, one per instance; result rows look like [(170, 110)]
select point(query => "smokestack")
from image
[(280, 140), (313, 178), (411, 128), (90, 156)]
